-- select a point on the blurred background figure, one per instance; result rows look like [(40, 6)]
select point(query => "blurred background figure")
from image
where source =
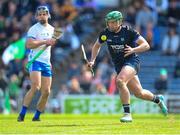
[(85, 81), (68, 11), (177, 68), (98, 89), (74, 87), (112, 85), (161, 83), (171, 42)]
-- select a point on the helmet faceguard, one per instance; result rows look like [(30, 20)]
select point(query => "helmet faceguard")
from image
[(43, 9)]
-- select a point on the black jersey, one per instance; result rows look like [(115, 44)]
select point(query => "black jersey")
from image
[(116, 43)]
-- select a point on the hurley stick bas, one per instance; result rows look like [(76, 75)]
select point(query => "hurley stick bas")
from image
[(85, 58)]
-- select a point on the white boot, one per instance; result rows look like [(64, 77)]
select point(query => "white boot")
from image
[(126, 118)]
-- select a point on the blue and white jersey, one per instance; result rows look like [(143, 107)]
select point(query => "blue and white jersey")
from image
[(40, 32)]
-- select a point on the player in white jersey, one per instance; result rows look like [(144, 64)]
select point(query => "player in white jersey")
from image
[(38, 36)]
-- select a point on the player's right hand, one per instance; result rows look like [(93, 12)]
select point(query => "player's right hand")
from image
[(50, 42)]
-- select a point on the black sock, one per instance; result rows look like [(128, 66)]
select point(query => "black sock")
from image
[(156, 99), (126, 108)]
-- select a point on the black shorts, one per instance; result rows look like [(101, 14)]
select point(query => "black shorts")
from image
[(133, 62)]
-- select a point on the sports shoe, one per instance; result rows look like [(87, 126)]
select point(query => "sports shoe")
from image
[(162, 105), (20, 118), (35, 119), (126, 118)]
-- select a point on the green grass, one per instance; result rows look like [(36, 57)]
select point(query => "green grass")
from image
[(90, 124)]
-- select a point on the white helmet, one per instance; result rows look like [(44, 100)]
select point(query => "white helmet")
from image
[(43, 9)]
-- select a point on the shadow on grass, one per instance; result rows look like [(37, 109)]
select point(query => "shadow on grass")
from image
[(81, 125)]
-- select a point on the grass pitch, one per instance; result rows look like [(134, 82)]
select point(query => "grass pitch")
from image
[(90, 124)]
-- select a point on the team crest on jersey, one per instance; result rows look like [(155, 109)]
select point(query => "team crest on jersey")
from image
[(45, 34), (103, 37), (122, 39)]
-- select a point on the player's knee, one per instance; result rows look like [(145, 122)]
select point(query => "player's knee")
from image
[(139, 94), (35, 86), (46, 92), (122, 78), (120, 82)]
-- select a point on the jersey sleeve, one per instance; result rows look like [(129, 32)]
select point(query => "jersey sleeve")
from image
[(32, 32), (102, 37), (134, 34)]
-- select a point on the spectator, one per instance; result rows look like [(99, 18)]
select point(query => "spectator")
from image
[(144, 16), (173, 12), (3, 80), (152, 36), (14, 90), (131, 15), (112, 84), (98, 89), (13, 86), (98, 77), (104, 68), (161, 8), (85, 81), (1, 100), (161, 83), (75, 87), (73, 70), (54, 106), (70, 37), (25, 84), (68, 11), (170, 43), (3, 86), (62, 91), (177, 68), (3, 40)]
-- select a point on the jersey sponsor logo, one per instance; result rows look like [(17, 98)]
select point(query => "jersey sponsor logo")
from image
[(117, 48), (116, 36), (109, 40)]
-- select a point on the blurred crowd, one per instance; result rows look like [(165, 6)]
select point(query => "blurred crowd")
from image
[(78, 19)]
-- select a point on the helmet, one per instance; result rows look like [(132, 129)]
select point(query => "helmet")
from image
[(114, 15), (43, 9)]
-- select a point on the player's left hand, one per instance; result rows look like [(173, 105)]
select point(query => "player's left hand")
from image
[(128, 51)]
